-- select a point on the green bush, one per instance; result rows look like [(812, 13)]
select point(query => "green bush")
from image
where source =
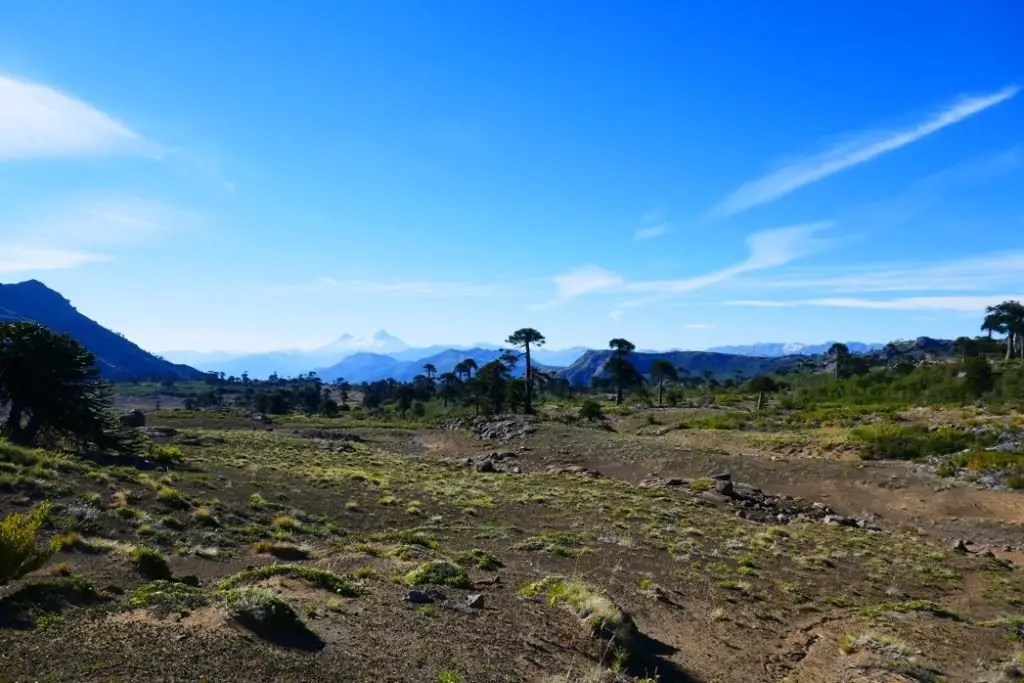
[(438, 573), (150, 563), (910, 442), (591, 410), (20, 552)]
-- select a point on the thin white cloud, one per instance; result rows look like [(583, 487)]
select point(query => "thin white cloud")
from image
[(767, 249), (87, 230), (616, 314), (701, 326), (963, 304), (861, 149), (985, 272), (579, 281), (652, 231), (17, 259), (39, 121)]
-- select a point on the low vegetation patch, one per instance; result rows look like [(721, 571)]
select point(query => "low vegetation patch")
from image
[(556, 543), (590, 604), (281, 550), (35, 600), (267, 614), (320, 578), (438, 573), (168, 596), (481, 559), (912, 441)]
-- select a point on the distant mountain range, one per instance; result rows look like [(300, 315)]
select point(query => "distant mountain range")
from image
[(358, 359), (382, 356), (693, 363), (778, 349), (116, 357)]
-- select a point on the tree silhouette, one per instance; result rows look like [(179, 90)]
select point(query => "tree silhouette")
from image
[(430, 370), (661, 371), (839, 353), (523, 338), (618, 366), (50, 383)]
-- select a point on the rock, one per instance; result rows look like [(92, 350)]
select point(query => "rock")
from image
[(838, 520), (516, 470), (987, 553), (190, 580), (675, 481), (724, 486), (960, 545), (485, 466), (721, 476), (475, 601), (418, 597)]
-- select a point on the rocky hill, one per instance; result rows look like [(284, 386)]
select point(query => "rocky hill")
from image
[(369, 367), (695, 363), (117, 358)]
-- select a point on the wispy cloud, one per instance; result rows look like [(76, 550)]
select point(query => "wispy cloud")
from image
[(616, 314), (963, 304), (580, 281), (88, 229), (651, 231), (967, 274), (653, 224), (767, 249), (859, 149), (701, 326), (39, 121), (16, 259)]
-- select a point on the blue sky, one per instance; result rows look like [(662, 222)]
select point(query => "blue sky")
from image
[(260, 175)]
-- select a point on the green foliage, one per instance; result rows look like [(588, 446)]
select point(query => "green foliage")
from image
[(480, 559), (168, 455), (555, 542), (167, 596), (591, 410), (978, 376), (50, 384), (449, 676), (20, 552), (150, 563), (438, 573), (910, 442)]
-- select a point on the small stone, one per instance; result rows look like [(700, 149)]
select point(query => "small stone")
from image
[(486, 466), (516, 470), (960, 545), (190, 580), (475, 601), (834, 519), (721, 476), (674, 481)]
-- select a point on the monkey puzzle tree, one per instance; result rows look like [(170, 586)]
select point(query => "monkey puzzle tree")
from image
[(430, 369), (49, 383), (523, 338), (839, 353), (661, 371), (619, 368)]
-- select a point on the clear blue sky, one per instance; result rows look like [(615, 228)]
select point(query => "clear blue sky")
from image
[(258, 175)]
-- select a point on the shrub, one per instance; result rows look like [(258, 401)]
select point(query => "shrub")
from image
[(150, 563), (910, 442), (438, 573), (481, 559), (20, 552), (168, 455), (591, 410), (262, 609)]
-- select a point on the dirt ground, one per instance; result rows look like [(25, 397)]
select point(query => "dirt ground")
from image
[(710, 595)]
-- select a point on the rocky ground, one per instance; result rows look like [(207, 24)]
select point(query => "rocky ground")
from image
[(509, 550)]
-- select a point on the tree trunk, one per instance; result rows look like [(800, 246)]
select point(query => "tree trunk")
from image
[(661, 386), (1009, 345), (760, 397), (618, 394), (528, 400), (12, 428)]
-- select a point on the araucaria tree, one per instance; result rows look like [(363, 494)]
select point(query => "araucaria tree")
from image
[(1007, 318), (49, 384), (618, 366), (840, 355), (523, 338), (663, 370)]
